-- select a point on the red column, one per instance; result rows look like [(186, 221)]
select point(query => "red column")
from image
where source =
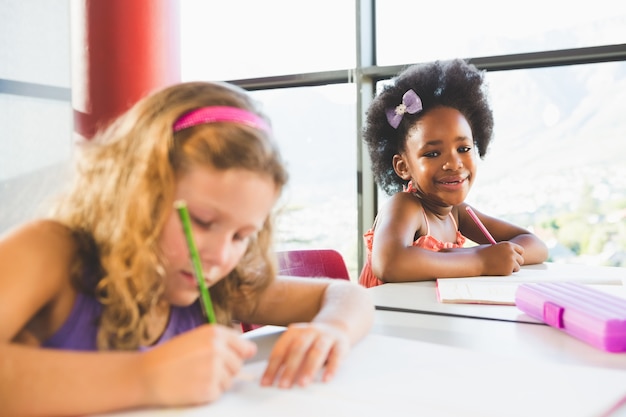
[(121, 51)]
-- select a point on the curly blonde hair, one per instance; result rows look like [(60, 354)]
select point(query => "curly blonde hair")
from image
[(124, 190)]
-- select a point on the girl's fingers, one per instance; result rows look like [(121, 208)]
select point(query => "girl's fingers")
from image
[(243, 347), (315, 359), (286, 357), (288, 350), (235, 351), (301, 353), (335, 357)]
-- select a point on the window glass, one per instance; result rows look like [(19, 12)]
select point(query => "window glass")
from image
[(251, 38), (556, 162), (36, 140), (555, 165), (35, 42), (316, 131), (411, 31)]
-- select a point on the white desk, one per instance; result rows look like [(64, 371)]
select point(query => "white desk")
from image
[(444, 361), (411, 310), (520, 340), (420, 297), (399, 377)]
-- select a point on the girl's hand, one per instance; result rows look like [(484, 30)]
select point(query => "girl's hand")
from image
[(195, 367), (302, 350), (503, 258)]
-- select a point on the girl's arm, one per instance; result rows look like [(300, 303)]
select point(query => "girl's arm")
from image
[(35, 300), (395, 259), (535, 250), (335, 302), (35, 289), (193, 368), (40, 382), (325, 317)]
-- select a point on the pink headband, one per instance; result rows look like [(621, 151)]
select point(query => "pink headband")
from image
[(215, 114)]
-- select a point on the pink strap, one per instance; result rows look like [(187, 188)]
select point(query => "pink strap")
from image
[(456, 226), (426, 220)]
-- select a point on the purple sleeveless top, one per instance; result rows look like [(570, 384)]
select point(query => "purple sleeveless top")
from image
[(80, 329)]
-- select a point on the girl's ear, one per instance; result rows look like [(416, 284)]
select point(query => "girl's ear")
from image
[(401, 168)]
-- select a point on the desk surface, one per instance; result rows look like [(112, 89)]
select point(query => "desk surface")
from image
[(440, 362), (513, 339), (411, 310), (394, 376), (421, 297)]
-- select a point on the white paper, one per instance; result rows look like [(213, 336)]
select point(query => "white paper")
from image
[(386, 376)]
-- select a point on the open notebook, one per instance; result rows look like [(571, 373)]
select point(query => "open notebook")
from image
[(501, 290)]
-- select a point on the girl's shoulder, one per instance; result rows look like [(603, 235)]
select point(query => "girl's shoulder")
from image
[(402, 211), (36, 261), (40, 233), (43, 245), (404, 201)]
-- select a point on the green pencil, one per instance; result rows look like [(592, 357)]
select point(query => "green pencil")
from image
[(207, 305)]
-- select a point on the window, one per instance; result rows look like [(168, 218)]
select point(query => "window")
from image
[(247, 39), (35, 111), (557, 75), (411, 31), (315, 129), (555, 164)]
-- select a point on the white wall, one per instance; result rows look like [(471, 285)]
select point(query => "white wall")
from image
[(35, 133)]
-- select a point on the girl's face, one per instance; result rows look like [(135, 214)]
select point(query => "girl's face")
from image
[(227, 208), (440, 158)]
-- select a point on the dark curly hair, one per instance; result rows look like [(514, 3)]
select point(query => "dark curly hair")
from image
[(453, 83)]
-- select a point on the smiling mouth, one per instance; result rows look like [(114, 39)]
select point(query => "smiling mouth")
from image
[(453, 182)]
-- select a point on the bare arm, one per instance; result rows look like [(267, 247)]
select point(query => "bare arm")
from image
[(395, 259), (39, 382), (193, 368), (35, 299), (535, 250), (339, 303), (347, 306), (35, 288), (324, 317)]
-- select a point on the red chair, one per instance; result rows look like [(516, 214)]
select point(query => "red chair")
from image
[(314, 263)]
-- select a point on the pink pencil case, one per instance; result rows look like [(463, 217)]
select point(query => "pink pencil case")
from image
[(588, 314)]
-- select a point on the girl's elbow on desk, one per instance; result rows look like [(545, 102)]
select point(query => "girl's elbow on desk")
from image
[(394, 273)]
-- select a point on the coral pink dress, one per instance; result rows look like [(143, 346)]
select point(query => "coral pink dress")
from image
[(427, 241)]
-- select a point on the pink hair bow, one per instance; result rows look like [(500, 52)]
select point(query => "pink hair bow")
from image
[(411, 103)]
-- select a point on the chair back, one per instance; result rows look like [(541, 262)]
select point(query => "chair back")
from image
[(314, 263)]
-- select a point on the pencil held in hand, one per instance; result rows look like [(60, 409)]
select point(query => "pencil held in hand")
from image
[(480, 225), (207, 305)]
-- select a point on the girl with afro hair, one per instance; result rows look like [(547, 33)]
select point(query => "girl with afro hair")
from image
[(425, 132)]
